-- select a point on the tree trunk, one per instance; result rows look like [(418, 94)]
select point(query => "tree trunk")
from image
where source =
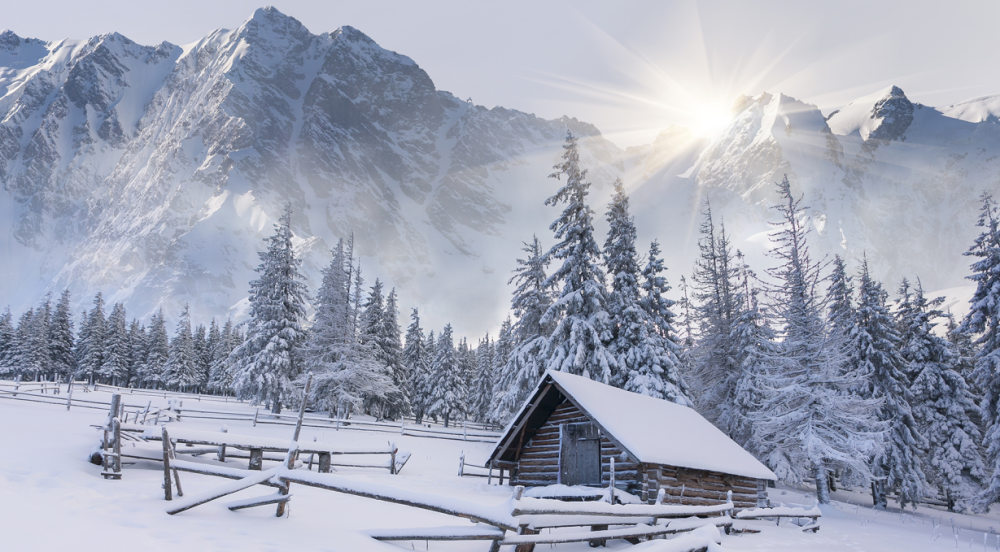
[(822, 480), (276, 403)]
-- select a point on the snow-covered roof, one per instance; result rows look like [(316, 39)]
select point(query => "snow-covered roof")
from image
[(656, 431)]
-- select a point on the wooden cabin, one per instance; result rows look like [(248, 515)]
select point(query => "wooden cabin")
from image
[(571, 427)]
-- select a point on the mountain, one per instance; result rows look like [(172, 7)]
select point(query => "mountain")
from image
[(152, 173)]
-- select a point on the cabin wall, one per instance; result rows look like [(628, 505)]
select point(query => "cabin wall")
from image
[(538, 463), (702, 488)]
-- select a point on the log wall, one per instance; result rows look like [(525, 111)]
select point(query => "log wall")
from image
[(538, 465)]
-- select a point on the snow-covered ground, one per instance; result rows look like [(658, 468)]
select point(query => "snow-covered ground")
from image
[(52, 498)]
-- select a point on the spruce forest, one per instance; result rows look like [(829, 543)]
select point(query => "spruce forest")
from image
[(819, 370)]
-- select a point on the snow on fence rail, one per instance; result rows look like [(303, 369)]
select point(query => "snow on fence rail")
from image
[(32, 392)]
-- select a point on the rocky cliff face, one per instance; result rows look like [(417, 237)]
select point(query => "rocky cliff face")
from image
[(152, 172)]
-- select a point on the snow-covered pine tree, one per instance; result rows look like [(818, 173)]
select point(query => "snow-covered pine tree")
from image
[(388, 401), (220, 379), (347, 372), (90, 345), (482, 396), (466, 357), (656, 306), (415, 358), (715, 366), (943, 406), (157, 352), (392, 355), (448, 386), (520, 356), (61, 356), (754, 343), (39, 363), (625, 315), (8, 343), (21, 363), (208, 355), (137, 352), (428, 381), (266, 364), (809, 422), (579, 317), (983, 322), (114, 360), (181, 370), (840, 311), (874, 354)]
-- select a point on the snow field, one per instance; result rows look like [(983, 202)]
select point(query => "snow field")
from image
[(51, 498)]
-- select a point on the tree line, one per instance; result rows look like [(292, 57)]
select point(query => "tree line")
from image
[(812, 368)]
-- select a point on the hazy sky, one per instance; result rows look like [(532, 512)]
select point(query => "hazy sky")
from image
[(632, 68)]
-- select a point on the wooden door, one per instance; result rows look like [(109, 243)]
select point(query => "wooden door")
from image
[(579, 454)]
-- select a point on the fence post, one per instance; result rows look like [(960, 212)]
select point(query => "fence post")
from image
[(392, 459), (166, 464), (611, 486), (222, 449), (255, 412), (461, 464), (17, 383), (69, 393)]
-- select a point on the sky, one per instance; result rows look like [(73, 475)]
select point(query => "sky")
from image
[(630, 67)]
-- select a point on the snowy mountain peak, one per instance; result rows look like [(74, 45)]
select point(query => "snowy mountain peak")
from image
[(884, 115)]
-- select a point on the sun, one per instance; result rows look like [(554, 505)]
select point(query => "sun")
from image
[(710, 118)]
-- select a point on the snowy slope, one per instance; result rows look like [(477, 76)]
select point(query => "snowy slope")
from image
[(151, 173)]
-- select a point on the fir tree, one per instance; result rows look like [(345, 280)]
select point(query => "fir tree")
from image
[(22, 361), (874, 353), (348, 373), (482, 395), (943, 406), (415, 359), (90, 346), (579, 316), (754, 342), (8, 343), (715, 360), (137, 352), (428, 381), (61, 338), (983, 321), (840, 312), (157, 352), (36, 357), (266, 363), (115, 358), (522, 359), (809, 422), (181, 370), (220, 378), (448, 386), (392, 355)]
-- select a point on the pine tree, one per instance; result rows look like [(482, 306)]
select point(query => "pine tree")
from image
[(37, 356), (8, 343), (428, 381), (181, 370), (943, 406), (392, 355), (874, 353), (220, 376), (622, 262), (579, 315), (448, 387), (90, 346), (840, 312), (715, 361), (266, 363), (114, 359), (21, 363), (465, 356), (482, 395), (347, 370), (389, 401), (61, 338), (522, 359), (809, 422), (754, 342), (415, 359), (983, 321), (157, 352), (137, 353)]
